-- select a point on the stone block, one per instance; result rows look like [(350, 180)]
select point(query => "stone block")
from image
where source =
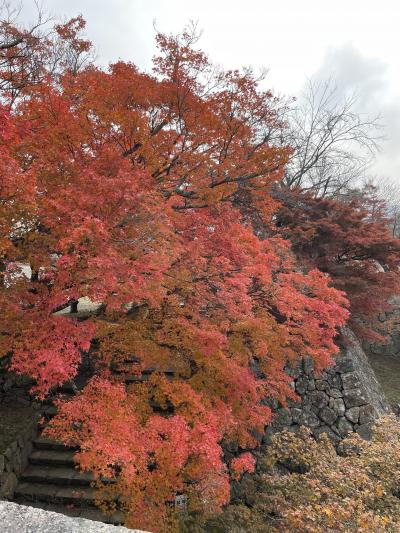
[(317, 432), (28, 447), (319, 398), (331, 371), (294, 428), (22, 401), (365, 431), (335, 381), (338, 406), (283, 418), (350, 381), (343, 426), (352, 414), (321, 384), (309, 419), (293, 371), (328, 416), (311, 385), (335, 393), (367, 414), (354, 398), (292, 403), (296, 414), (301, 385)]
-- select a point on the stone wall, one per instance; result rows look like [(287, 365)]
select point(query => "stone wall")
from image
[(14, 394), (344, 398), (15, 459), (14, 389), (389, 326)]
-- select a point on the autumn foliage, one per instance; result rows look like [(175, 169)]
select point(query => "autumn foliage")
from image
[(349, 239), (122, 186), (307, 487)]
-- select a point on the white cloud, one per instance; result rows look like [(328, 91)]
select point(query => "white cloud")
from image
[(357, 41), (368, 77)]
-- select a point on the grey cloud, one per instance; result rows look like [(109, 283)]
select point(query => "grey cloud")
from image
[(123, 29), (367, 77), (354, 72)]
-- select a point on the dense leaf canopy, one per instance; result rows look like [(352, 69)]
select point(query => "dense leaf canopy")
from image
[(122, 187)]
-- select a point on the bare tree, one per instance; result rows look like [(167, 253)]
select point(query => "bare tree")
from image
[(388, 190), (334, 145), (29, 54)]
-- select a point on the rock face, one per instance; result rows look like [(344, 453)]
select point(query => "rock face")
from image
[(344, 398), (16, 518)]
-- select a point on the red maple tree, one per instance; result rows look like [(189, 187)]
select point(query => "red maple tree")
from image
[(349, 238), (122, 186)]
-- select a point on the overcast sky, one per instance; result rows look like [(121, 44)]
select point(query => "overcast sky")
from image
[(355, 41)]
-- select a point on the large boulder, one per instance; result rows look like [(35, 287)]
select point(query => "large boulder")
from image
[(16, 518)]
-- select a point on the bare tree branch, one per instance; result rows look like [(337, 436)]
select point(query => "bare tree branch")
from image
[(333, 144)]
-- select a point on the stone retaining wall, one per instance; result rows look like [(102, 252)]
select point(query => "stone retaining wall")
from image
[(389, 326), (344, 398), (14, 389), (15, 459)]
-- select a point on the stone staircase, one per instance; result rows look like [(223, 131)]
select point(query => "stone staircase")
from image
[(52, 482)]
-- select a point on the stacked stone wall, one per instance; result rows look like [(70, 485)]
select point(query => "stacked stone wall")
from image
[(389, 327), (14, 393), (14, 389), (342, 399), (15, 459)]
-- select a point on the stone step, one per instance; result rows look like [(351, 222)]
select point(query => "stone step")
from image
[(52, 457), (49, 400), (134, 378), (46, 492), (117, 517), (56, 475), (42, 443)]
